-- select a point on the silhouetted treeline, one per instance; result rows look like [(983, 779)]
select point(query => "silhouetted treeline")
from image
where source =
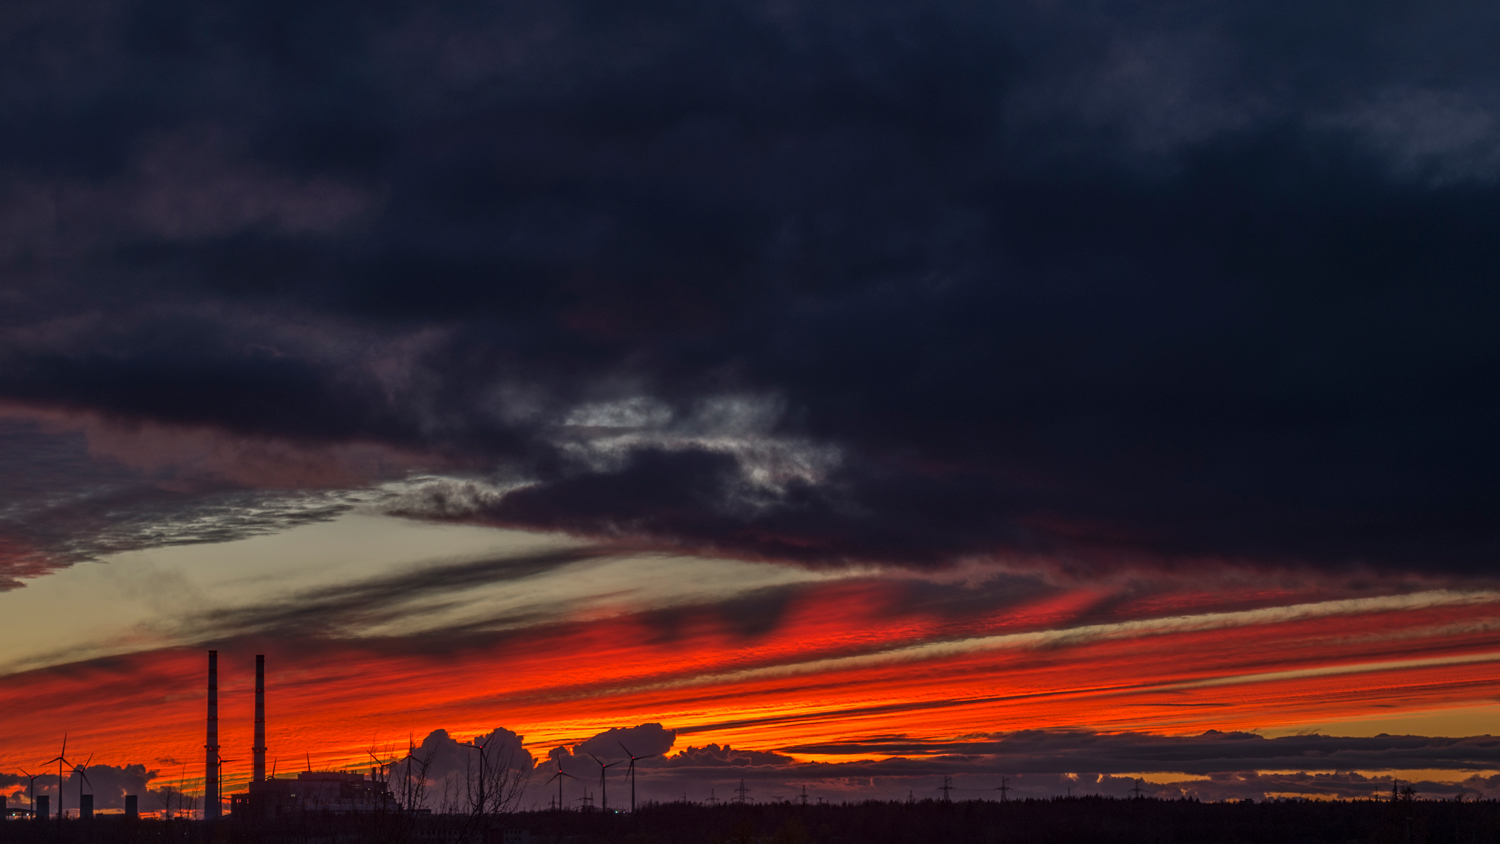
[(1093, 819)]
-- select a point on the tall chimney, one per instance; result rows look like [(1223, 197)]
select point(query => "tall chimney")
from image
[(259, 750), (211, 773)]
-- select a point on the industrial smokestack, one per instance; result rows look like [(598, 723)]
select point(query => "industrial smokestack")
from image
[(211, 775), (259, 774)]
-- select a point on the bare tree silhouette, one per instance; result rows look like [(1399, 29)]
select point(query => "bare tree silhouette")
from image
[(495, 782), (414, 766)]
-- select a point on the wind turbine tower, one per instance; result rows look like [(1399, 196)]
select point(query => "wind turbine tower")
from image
[(32, 778), (559, 777), (61, 760), (85, 801), (211, 805), (630, 771), (603, 787)]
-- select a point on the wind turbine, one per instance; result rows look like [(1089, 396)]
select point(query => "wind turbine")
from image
[(559, 777), (60, 760), (630, 772), (32, 777), (83, 777), (383, 765), (603, 790)]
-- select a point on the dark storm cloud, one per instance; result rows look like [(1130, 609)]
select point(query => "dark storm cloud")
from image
[(815, 281)]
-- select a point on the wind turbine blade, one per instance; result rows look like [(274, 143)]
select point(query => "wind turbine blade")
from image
[(624, 748)]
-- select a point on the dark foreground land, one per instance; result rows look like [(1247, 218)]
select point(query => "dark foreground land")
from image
[(1082, 819)]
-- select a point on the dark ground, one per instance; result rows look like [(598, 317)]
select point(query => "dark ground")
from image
[(1084, 819)]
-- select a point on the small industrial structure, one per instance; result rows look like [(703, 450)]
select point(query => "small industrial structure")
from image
[(311, 791)]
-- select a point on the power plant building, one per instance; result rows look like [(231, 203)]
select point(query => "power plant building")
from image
[(311, 791)]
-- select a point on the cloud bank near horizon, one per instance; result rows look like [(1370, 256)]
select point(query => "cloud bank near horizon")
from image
[(818, 282), (1034, 765)]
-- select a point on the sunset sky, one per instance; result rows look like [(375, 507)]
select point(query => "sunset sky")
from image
[(815, 394)]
